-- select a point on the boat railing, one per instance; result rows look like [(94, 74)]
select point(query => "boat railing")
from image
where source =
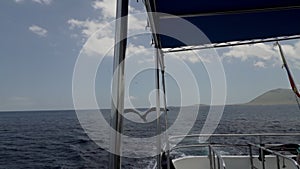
[(259, 135), (215, 159), (277, 154)]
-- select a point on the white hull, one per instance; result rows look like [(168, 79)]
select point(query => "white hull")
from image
[(231, 162)]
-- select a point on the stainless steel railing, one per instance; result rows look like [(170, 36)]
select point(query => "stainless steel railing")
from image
[(277, 154), (216, 160), (259, 135), (215, 156)]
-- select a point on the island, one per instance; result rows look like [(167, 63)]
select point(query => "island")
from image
[(275, 97)]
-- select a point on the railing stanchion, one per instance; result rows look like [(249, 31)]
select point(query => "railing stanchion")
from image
[(262, 158), (214, 155), (283, 163), (251, 156), (278, 163), (210, 157), (219, 165)]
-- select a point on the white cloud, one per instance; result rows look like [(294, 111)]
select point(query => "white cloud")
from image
[(137, 50), (259, 64), (266, 54), (19, 1), (188, 56), (292, 53), (132, 98), (244, 52), (99, 46), (89, 27), (46, 2), (43, 2), (107, 7), (103, 40), (204, 56), (103, 46), (38, 30), (146, 60), (137, 23)]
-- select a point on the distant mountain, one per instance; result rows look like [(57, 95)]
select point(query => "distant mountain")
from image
[(273, 97)]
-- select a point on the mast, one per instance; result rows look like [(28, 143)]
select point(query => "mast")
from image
[(158, 126), (117, 106)]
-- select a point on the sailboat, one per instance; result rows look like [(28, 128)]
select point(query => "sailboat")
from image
[(175, 26)]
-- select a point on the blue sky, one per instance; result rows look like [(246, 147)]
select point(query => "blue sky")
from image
[(42, 40)]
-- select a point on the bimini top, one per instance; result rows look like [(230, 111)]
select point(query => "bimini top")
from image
[(222, 21)]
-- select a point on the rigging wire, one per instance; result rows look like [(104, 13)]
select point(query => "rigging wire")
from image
[(285, 65), (297, 100), (290, 76)]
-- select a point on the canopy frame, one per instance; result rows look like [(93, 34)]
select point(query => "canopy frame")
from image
[(159, 13)]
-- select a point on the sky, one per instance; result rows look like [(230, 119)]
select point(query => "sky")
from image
[(44, 42)]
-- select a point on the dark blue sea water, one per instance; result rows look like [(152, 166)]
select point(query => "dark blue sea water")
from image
[(55, 139)]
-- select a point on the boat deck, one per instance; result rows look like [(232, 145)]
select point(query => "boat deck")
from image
[(259, 155), (233, 162)]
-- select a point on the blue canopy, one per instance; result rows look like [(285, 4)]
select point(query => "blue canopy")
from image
[(223, 21)]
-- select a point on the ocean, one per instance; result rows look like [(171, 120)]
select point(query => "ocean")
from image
[(55, 139)]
